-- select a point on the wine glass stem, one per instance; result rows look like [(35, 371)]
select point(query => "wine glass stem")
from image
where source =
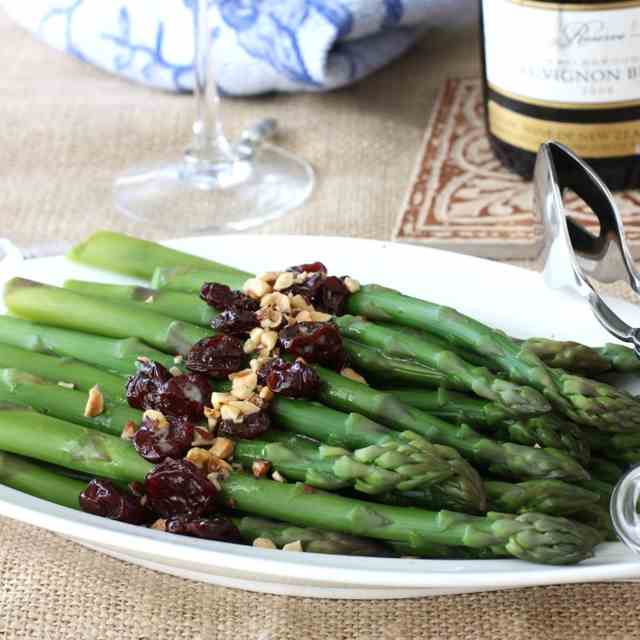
[(209, 144)]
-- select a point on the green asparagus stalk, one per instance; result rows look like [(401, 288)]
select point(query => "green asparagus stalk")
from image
[(27, 433), (620, 358), (189, 308), (553, 497), (534, 537), (134, 257), (313, 540), (605, 470), (166, 302), (191, 280), (623, 448), (568, 355), (479, 380), (501, 458), (371, 470), (115, 355), (581, 400), (36, 480), (547, 430), (27, 390), (67, 309), (62, 370)]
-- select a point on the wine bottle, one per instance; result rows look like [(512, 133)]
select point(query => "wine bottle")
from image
[(566, 71)]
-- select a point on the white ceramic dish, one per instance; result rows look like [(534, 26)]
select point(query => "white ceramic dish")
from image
[(513, 299)]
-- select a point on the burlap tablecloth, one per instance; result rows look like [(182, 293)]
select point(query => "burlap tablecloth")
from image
[(66, 130)]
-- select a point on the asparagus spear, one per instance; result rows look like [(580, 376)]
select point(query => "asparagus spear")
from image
[(477, 379), (115, 355), (547, 430), (620, 358), (166, 302), (68, 309), (28, 390), (568, 355), (41, 482), (620, 447), (502, 458), (62, 370), (27, 433), (132, 256), (553, 497), (313, 540), (371, 470), (189, 308), (534, 537)]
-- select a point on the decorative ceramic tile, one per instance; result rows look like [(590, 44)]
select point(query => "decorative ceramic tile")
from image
[(461, 198)]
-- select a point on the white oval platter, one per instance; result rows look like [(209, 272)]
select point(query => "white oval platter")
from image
[(513, 299)]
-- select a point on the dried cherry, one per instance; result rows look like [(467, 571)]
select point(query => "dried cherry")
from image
[(235, 322), (222, 297), (179, 488), (291, 379), (217, 356), (251, 426), (217, 528), (310, 267), (180, 397), (332, 296), (156, 442), (318, 342), (103, 498)]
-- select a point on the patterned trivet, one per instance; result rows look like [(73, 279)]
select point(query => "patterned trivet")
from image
[(462, 199)]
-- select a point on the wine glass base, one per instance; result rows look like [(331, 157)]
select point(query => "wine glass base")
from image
[(182, 197)]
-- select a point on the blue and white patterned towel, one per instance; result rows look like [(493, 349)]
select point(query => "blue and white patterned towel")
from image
[(259, 45)]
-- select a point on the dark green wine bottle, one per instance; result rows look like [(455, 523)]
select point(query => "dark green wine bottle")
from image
[(566, 71)]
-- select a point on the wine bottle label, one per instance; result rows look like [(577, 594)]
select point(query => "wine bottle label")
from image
[(589, 140), (572, 56)]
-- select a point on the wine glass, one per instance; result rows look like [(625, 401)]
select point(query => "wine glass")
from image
[(214, 186)]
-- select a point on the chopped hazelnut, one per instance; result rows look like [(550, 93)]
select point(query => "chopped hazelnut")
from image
[(219, 398), (298, 302), (260, 468), (268, 340), (160, 524), (244, 407), (347, 372), (352, 284), (268, 276), (278, 477), (256, 288), (264, 543), (95, 403), (266, 394), (157, 418), (143, 359), (296, 545), (175, 371), (67, 385), (199, 457), (212, 416), (249, 346), (222, 447), (202, 437), (242, 387), (319, 316), (214, 479), (270, 318), (303, 316), (150, 300), (284, 281), (178, 359), (129, 430), (218, 465), (227, 412), (276, 300)]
